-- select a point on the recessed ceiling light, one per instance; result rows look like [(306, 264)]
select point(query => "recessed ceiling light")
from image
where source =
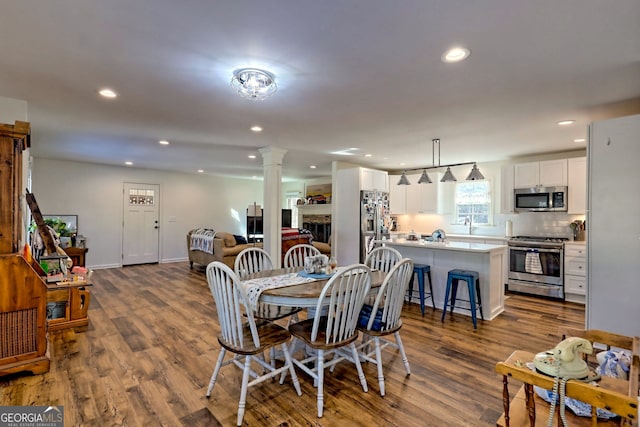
[(256, 128), (163, 142), (312, 166), (252, 156), (200, 170), (345, 152), (456, 54), (579, 140), (402, 164), (368, 155), (107, 93), (566, 122), (128, 163)]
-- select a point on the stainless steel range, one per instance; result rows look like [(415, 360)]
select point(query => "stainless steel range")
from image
[(536, 265)]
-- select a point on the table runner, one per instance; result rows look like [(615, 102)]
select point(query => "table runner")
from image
[(255, 287)]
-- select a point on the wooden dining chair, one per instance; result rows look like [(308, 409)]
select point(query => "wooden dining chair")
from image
[(254, 260), (383, 258), (384, 318), (242, 336), (296, 254), (343, 296)]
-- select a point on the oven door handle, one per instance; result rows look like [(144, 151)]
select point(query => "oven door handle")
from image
[(553, 251)]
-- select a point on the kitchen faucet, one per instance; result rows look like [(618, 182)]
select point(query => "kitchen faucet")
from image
[(467, 220)]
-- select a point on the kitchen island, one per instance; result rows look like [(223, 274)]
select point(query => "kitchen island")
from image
[(486, 259)]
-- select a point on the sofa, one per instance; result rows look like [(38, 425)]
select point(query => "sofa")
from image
[(225, 247)]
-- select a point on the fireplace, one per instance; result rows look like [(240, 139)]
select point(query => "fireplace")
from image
[(319, 225)]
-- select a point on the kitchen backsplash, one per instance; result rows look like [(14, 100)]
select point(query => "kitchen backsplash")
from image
[(524, 224)]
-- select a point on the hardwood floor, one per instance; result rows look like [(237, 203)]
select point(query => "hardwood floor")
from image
[(149, 350)]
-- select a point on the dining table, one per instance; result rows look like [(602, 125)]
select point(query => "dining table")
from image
[(304, 294)]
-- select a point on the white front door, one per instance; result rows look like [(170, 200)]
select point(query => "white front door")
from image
[(141, 227)]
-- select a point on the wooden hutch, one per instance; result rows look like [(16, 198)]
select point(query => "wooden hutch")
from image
[(23, 293)]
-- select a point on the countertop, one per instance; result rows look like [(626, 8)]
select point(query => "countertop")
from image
[(450, 246), (395, 234)]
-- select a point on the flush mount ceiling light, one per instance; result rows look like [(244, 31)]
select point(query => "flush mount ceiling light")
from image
[(252, 83), (566, 122), (448, 175), (256, 129), (456, 54), (163, 142)]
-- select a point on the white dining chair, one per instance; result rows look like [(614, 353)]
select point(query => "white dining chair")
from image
[(383, 258), (384, 318), (296, 254), (254, 260), (242, 336), (343, 295)]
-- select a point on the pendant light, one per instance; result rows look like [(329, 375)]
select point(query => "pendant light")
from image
[(403, 179), (448, 176), (424, 178), (475, 174)]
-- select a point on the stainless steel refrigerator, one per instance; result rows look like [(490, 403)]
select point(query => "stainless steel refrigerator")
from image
[(374, 219)]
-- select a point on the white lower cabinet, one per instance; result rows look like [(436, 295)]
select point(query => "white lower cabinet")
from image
[(575, 272)]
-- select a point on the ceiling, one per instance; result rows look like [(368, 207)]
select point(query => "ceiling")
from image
[(364, 74)]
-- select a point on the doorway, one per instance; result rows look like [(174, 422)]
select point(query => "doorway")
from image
[(140, 225)]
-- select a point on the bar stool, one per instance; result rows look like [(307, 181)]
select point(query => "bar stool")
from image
[(473, 284), (420, 270)]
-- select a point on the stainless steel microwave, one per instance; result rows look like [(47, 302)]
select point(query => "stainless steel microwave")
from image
[(540, 199)]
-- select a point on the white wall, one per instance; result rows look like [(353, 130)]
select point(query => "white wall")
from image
[(94, 193), (12, 109)]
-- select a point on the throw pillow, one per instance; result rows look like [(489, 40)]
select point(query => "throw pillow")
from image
[(240, 240), (229, 240)]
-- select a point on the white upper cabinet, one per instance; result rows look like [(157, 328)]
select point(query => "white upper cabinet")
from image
[(372, 179), (415, 198), (549, 173), (506, 193), (577, 197), (397, 195), (427, 196)]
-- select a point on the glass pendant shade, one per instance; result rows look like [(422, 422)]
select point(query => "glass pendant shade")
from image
[(448, 176), (475, 174), (424, 178), (404, 180)]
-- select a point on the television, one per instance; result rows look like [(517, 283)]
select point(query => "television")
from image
[(257, 221)]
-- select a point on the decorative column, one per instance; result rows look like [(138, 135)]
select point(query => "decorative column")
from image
[(271, 220)]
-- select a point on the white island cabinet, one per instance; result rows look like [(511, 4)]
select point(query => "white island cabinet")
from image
[(486, 259)]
